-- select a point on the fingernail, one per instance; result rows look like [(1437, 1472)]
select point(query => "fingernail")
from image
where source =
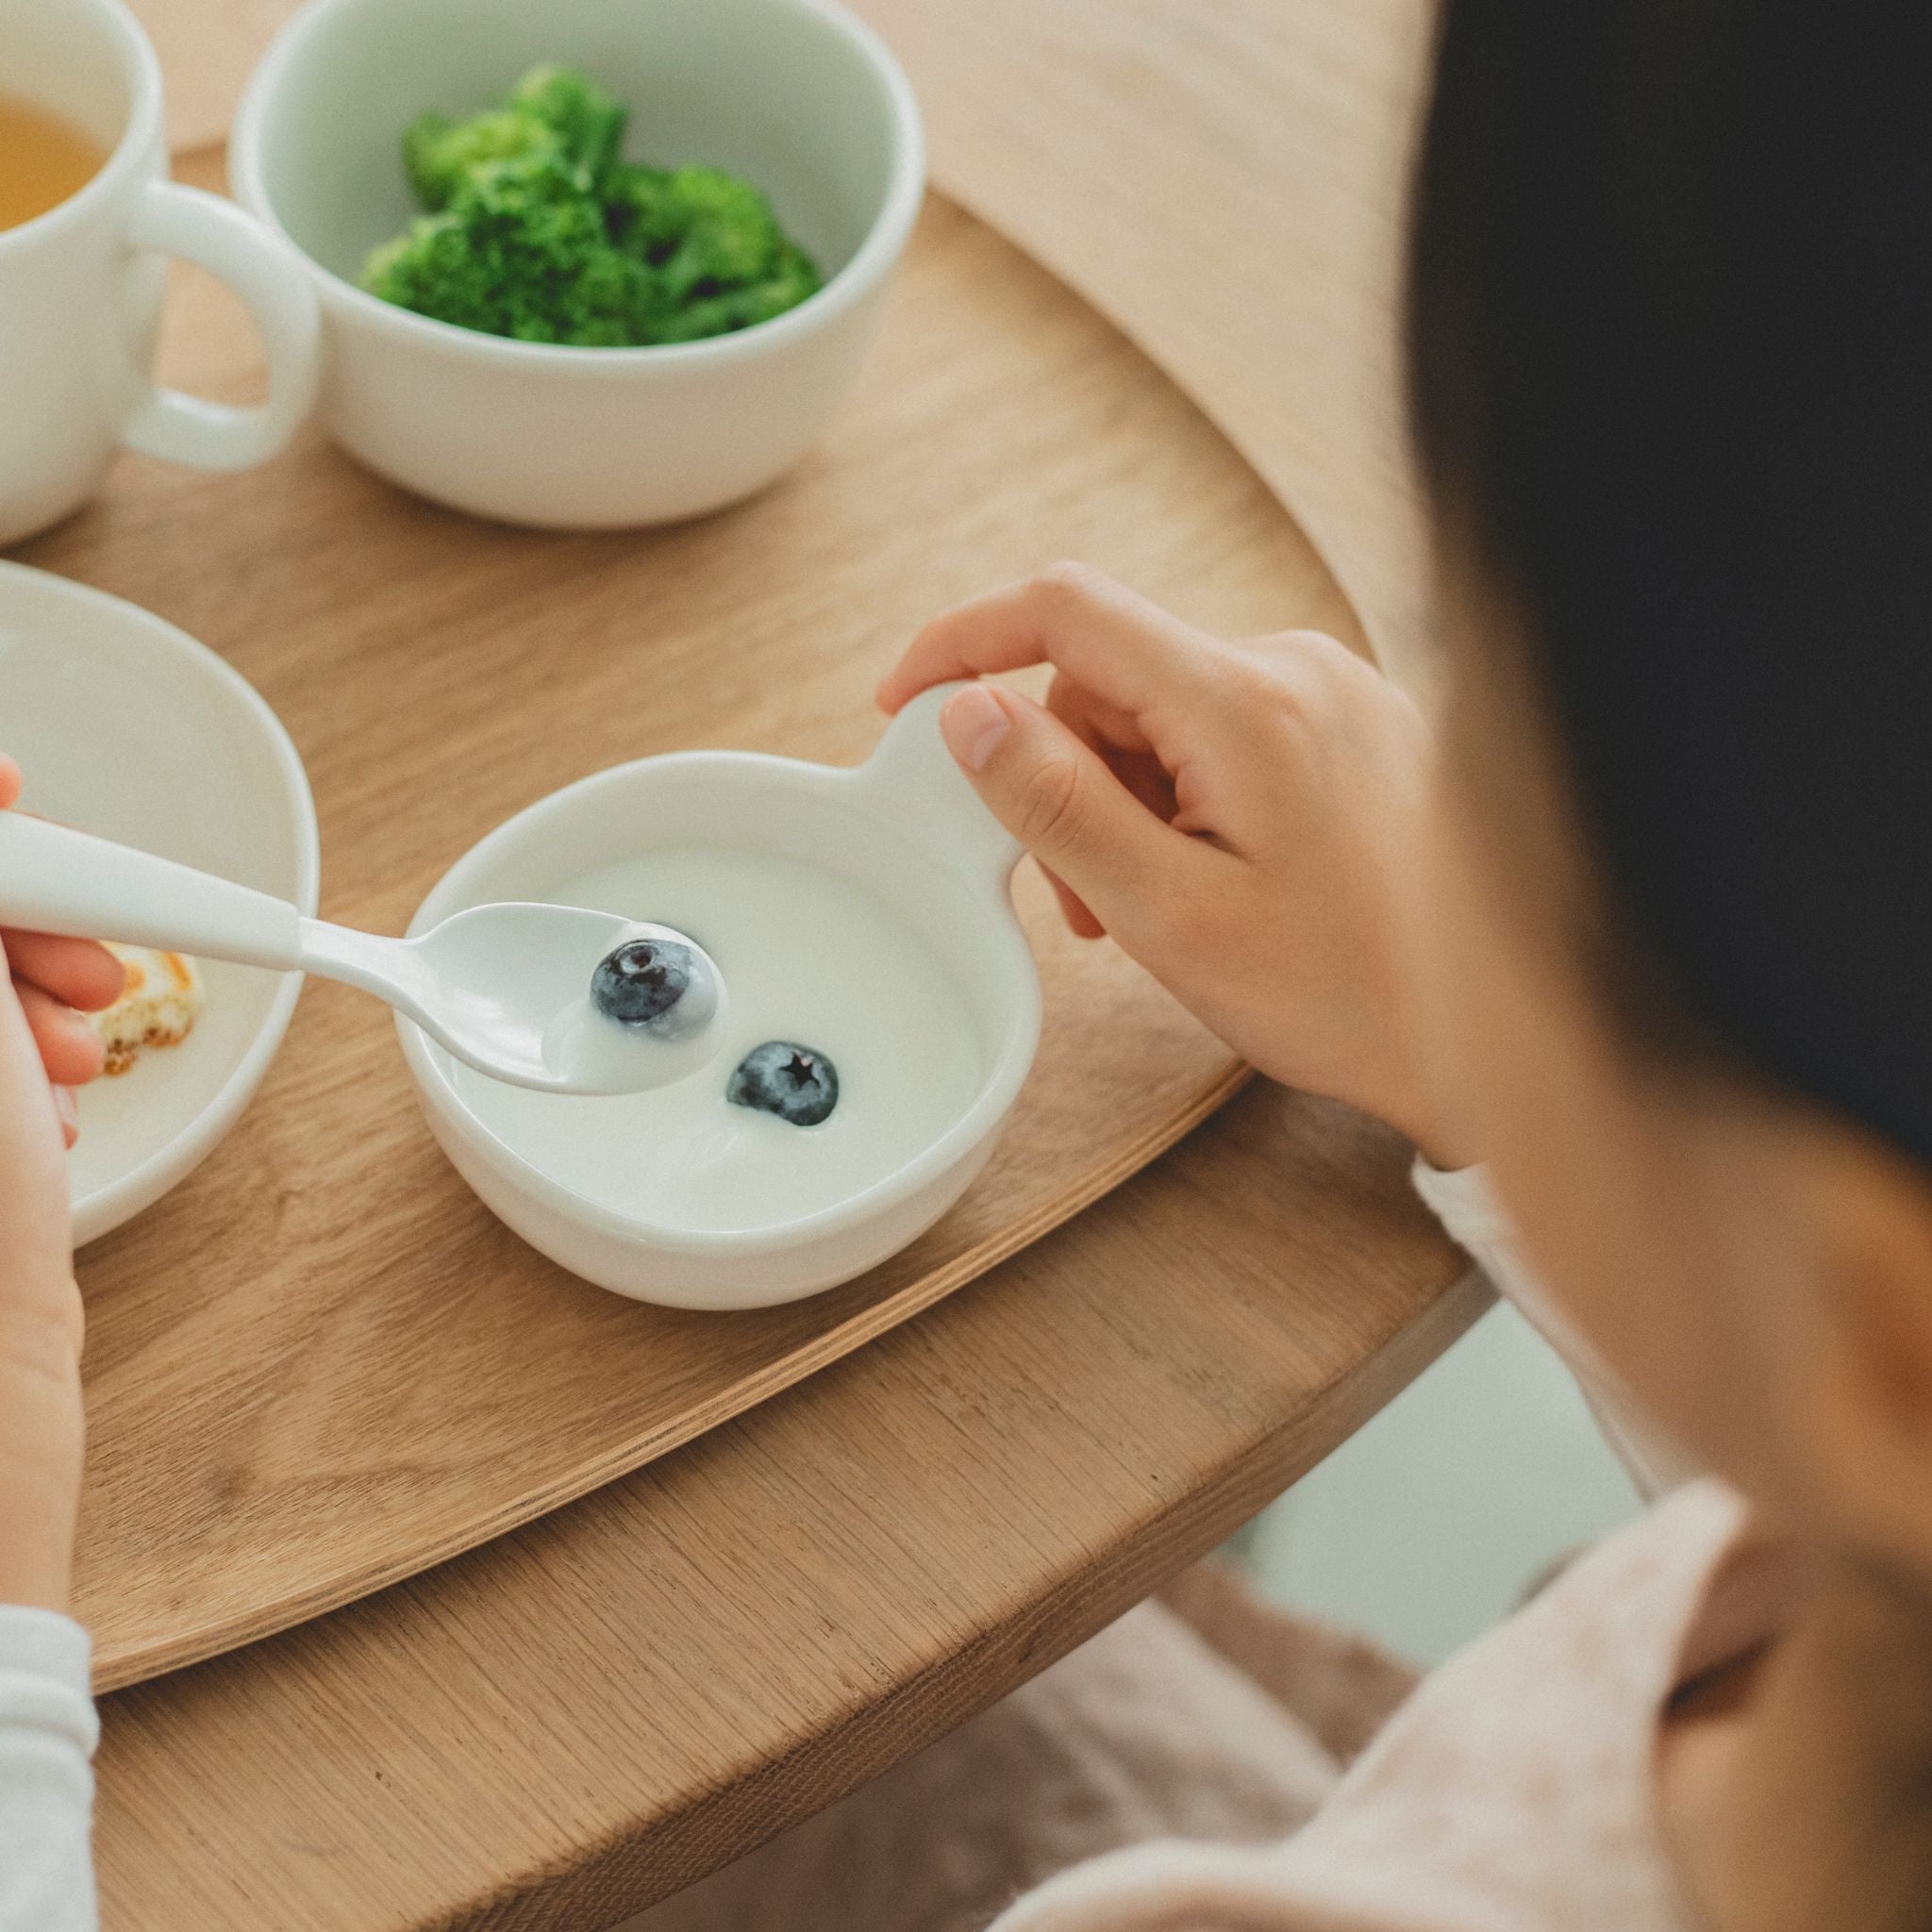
[(65, 1105), (972, 724)]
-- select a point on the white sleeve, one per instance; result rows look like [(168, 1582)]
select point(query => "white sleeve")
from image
[(1467, 1209), (48, 1736)]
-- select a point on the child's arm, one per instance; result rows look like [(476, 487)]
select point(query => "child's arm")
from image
[(46, 1717), (1241, 818), (46, 1050), (47, 1726)]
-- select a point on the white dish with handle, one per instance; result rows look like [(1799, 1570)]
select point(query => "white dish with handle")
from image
[(127, 727), (890, 871)]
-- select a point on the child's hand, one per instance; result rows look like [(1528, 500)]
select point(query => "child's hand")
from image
[(51, 979), (1239, 817), (44, 1052)]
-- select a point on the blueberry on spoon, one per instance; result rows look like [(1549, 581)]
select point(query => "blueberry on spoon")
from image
[(789, 1080), (641, 982)]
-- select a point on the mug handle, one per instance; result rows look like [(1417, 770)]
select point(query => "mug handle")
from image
[(217, 236)]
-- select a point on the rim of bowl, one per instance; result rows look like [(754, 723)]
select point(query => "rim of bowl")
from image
[(870, 263), (142, 72), (999, 1087), (249, 1069)]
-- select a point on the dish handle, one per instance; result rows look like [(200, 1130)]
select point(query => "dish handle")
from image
[(915, 777)]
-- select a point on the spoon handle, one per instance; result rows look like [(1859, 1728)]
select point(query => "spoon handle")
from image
[(57, 880)]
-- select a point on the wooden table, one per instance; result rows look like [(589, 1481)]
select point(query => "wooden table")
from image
[(590, 1714)]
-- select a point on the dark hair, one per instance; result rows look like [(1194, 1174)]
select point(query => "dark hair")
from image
[(1670, 322)]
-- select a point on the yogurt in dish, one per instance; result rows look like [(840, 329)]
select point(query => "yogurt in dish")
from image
[(805, 956)]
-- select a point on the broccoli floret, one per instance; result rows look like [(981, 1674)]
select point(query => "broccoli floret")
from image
[(535, 229), (792, 280), (441, 155), (730, 237), (723, 262), (429, 267), (647, 217), (521, 250), (551, 110), (705, 229), (587, 121)]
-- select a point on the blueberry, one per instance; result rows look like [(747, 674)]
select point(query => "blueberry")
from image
[(642, 981), (791, 1081)]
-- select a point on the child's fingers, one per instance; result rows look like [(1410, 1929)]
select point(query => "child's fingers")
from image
[(76, 971), (1125, 866), (1122, 647), (1108, 727), (34, 1239), (70, 1049), (1139, 770), (9, 781), (1074, 909), (68, 1112)]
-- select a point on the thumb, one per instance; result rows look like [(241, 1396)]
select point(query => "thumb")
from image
[(1054, 795)]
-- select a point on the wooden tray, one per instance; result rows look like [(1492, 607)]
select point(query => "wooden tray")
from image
[(321, 1365)]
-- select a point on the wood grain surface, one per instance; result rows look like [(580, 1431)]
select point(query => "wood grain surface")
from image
[(555, 1729), (1227, 183), (321, 1365), (206, 48)]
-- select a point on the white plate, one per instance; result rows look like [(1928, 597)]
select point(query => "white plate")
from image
[(125, 726)]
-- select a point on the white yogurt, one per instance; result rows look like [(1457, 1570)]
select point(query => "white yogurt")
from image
[(805, 957)]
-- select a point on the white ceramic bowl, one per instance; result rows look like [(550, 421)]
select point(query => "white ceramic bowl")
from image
[(128, 728), (905, 826), (797, 95)]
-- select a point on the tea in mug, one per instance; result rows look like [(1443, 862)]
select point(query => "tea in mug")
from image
[(44, 158)]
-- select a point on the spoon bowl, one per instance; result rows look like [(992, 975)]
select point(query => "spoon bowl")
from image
[(505, 988)]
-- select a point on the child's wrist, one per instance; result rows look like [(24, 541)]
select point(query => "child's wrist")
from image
[(36, 1560), (1411, 1111), (41, 1436)]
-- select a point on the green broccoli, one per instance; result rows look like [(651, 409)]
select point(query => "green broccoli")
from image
[(534, 228), (439, 155), (791, 280), (731, 236), (587, 121), (646, 217), (521, 250), (551, 110)]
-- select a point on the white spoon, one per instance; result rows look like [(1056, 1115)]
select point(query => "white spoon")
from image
[(507, 988)]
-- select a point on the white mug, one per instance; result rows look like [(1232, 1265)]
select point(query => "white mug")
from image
[(81, 285)]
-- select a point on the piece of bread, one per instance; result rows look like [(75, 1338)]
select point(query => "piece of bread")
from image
[(157, 1008)]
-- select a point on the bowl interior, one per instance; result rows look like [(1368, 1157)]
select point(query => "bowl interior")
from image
[(781, 91), (127, 727), (817, 817)]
